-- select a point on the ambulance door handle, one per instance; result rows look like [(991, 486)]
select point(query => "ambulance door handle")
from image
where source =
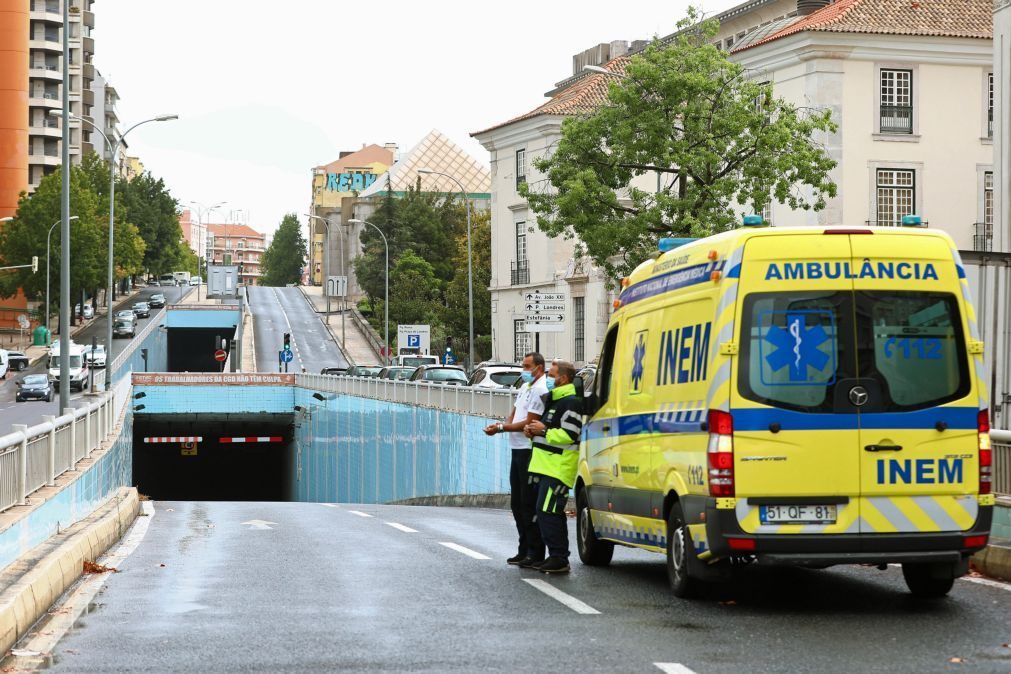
[(883, 448), (605, 428)]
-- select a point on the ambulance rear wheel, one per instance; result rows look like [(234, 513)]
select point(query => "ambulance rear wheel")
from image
[(680, 556), (592, 550), (929, 581)]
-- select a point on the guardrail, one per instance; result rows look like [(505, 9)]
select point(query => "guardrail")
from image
[(1001, 443), (33, 457), (491, 403), (116, 365), (371, 336)]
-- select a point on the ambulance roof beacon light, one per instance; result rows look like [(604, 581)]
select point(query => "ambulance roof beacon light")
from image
[(912, 221), (754, 220), (669, 243)]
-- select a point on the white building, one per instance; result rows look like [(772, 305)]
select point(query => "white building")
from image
[(106, 116), (909, 84)]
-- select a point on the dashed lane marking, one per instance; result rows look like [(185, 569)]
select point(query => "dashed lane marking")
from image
[(465, 551), (401, 527), (359, 513), (561, 597), (673, 668), (329, 505)]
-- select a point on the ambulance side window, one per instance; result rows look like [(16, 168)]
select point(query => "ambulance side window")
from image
[(602, 386)]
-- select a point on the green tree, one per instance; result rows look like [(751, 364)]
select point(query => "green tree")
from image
[(26, 237), (285, 256), (414, 294), (129, 246), (457, 305), (686, 119), (154, 211)]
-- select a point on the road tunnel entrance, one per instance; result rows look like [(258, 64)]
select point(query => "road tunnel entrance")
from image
[(226, 458), (193, 349)]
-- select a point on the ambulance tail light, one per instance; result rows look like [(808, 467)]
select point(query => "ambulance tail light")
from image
[(985, 453), (975, 541), (721, 454)]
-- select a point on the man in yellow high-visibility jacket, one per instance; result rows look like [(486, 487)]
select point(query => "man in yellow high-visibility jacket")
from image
[(554, 462)]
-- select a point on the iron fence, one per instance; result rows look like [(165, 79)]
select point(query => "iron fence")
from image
[(1001, 461)]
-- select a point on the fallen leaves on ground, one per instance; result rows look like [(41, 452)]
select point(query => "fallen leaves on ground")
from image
[(143, 497), (94, 567)]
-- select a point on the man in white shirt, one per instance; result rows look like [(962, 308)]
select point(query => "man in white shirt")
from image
[(528, 408)]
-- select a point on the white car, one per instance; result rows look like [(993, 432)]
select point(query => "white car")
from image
[(89, 311), (196, 280), (96, 356), (496, 376)]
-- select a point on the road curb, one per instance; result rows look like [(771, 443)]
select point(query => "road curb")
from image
[(994, 560), (38, 582)]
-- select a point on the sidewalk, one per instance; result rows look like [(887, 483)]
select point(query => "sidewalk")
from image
[(356, 346)]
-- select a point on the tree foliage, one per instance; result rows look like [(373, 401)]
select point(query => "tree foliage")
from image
[(154, 211), (284, 258), (686, 140)]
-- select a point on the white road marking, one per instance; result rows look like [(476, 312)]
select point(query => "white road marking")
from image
[(566, 599), (989, 583), (466, 551), (259, 524), (401, 527), (77, 600), (673, 668), (329, 505), (359, 513), (288, 323)]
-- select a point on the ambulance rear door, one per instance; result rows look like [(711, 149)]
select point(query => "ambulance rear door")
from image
[(917, 398)]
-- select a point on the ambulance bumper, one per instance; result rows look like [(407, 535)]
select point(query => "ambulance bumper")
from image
[(722, 529)]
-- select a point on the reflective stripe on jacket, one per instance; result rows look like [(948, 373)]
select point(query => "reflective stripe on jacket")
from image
[(556, 454)]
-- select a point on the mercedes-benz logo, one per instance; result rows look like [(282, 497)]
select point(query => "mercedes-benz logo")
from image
[(859, 396)]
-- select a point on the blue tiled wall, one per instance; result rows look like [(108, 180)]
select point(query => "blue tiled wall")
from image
[(1001, 522), (358, 450), (202, 318), (219, 399)]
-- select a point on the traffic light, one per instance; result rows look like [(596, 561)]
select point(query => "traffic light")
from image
[(287, 341), (35, 263)]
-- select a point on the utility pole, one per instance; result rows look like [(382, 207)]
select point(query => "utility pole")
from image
[(65, 221)]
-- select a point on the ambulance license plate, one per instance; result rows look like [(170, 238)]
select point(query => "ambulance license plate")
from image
[(797, 514)]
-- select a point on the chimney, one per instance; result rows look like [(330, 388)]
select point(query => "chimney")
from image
[(805, 7)]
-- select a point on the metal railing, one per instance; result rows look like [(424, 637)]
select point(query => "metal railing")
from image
[(896, 119), (33, 457), (519, 272), (982, 236), (1001, 442), (491, 403)]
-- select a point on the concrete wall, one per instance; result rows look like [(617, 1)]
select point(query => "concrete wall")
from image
[(359, 450)]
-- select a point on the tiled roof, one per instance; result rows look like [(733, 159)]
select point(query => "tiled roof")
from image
[(939, 18), (437, 152), (370, 154), (585, 95), (227, 230)]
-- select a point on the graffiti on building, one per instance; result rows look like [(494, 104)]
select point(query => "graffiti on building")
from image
[(349, 182)]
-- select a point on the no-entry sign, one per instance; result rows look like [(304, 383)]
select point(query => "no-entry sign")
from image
[(220, 355)]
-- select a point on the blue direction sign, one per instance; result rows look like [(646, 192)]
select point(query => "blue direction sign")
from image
[(287, 356), (414, 341)]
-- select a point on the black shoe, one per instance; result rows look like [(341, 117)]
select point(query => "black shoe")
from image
[(529, 563), (516, 560), (554, 565)]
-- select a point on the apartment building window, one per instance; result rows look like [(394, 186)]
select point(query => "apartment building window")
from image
[(522, 340), (896, 196), (982, 236), (896, 101), (579, 327), (521, 167), (989, 105), (520, 269)]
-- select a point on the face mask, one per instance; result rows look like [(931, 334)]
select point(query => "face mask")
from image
[(528, 377), (550, 383)]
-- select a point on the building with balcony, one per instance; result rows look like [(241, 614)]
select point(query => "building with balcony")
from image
[(106, 116), (237, 244), (45, 83)]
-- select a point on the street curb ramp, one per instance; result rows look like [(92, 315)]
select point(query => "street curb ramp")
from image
[(36, 581)]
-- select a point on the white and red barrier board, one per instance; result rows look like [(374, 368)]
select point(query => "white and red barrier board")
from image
[(251, 438)]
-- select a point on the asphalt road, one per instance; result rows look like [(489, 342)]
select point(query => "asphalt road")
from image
[(31, 412), (280, 310), (377, 588)]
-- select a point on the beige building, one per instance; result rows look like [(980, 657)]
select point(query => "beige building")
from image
[(45, 89), (107, 117), (239, 245)]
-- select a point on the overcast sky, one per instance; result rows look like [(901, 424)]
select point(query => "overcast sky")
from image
[(267, 90)]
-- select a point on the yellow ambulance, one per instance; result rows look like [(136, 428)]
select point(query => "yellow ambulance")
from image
[(791, 396)]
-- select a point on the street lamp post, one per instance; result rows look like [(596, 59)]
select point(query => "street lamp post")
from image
[(113, 150), (201, 209), (48, 249), (470, 267), (340, 240), (386, 300)]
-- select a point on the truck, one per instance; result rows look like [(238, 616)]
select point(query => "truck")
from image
[(182, 278), (80, 375)]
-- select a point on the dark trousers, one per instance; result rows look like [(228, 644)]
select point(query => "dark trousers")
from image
[(552, 495), (522, 505)]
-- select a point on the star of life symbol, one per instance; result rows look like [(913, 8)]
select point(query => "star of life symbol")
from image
[(638, 354), (798, 347)]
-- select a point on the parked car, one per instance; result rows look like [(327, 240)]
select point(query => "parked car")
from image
[(124, 328), (142, 309), (157, 300), (96, 356), (449, 375), (396, 373), (34, 387), (334, 370), (89, 311), (364, 370), (17, 360), (195, 280), (495, 376)]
